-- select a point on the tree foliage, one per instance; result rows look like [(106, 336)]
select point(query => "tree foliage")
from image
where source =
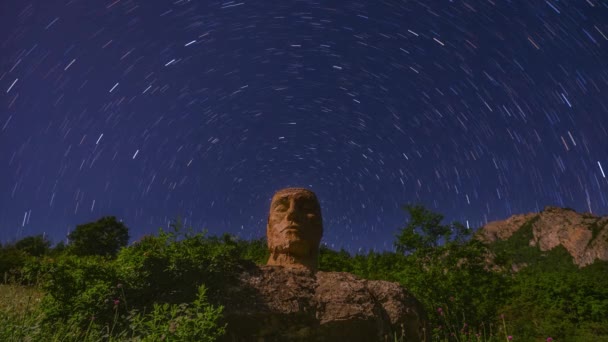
[(424, 231), (103, 237), (34, 245)]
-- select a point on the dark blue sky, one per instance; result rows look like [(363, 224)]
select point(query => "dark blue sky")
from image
[(146, 110)]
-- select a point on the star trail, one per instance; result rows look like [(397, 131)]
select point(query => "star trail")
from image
[(146, 110)]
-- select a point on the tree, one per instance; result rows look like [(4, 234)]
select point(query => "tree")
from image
[(34, 245), (425, 231), (255, 250), (11, 262), (334, 261), (443, 268), (103, 237)]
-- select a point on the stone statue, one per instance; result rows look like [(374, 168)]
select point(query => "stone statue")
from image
[(294, 229), (289, 300)]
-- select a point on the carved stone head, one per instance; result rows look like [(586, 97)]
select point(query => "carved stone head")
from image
[(294, 229)]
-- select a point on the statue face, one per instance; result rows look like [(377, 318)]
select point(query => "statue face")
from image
[(294, 223)]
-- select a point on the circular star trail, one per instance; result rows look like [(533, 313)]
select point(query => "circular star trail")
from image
[(150, 110)]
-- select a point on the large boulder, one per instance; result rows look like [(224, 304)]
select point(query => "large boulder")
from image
[(584, 236), (276, 303)]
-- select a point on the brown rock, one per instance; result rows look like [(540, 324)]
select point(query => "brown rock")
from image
[(273, 303), (502, 230), (584, 236)]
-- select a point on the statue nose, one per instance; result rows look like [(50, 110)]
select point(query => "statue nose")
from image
[(291, 212)]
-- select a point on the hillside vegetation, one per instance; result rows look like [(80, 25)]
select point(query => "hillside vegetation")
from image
[(167, 287)]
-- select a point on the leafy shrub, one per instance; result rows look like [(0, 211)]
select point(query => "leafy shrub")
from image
[(22, 320), (197, 321), (12, 261), (168, 274), (78, 288), (165, 268)]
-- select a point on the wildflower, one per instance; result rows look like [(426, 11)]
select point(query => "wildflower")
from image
[(510, 338), (549, 339), (440, 311), (116, 302)]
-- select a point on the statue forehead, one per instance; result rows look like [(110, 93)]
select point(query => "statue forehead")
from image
[(295, 192)]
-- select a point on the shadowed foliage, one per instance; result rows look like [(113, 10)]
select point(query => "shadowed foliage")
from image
[(102, 237)]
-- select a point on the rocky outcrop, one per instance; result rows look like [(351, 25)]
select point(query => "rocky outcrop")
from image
[(275, 303), (584, 236)]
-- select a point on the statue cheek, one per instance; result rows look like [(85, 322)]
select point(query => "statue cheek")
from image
[(276, 218)]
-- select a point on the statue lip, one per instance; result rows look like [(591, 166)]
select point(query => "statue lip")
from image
[(292, 227)]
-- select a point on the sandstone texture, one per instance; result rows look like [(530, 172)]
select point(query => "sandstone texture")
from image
[(585, 236), (275, 303)]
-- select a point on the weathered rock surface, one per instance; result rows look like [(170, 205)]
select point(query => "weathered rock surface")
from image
[(275, 303), (585, 236)]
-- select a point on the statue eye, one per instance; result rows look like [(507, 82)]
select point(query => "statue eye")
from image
[(308, 207), (280, 207)]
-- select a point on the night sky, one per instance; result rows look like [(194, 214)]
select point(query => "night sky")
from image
[(146, 110)]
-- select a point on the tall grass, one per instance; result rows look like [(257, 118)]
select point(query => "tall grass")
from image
[(21, 321)]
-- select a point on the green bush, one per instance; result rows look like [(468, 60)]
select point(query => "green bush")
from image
[(167, 268), (22, 320), (166, 275), (12, 261), (197, 321), (78, 288)]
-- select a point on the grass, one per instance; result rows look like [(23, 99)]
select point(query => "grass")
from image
[(18, 312), (19, 299)]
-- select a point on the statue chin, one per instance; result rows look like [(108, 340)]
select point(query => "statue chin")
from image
[(294, 248)]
